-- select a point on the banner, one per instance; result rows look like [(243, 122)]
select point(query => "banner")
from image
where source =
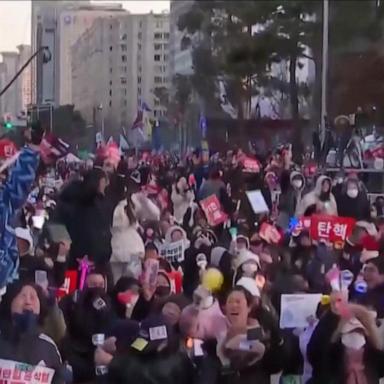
[(251, 165), (213, 212), (21, 373), (173, 252), (332, 228)]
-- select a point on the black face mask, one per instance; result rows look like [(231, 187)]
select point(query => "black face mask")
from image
[(162, 291), (25, 322)]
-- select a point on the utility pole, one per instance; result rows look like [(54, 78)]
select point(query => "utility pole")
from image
[(324, 74)]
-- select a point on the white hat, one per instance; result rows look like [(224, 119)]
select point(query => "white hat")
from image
[(249, 285), (351, 325), (244, 256)]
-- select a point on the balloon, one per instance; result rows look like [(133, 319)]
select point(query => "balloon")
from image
[(212, 279)]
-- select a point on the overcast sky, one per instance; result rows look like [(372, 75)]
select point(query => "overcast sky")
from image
[(15, 19)]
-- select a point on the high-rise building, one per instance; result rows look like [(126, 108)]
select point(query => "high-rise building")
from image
[(117, 65), (180, 57), (57, 25), (18, 96)]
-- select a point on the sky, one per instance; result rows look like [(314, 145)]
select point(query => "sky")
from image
[(15, 19)]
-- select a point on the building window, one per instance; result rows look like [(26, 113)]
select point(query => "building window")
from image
[(123, 80), (139, 80), (139, 35), (110, 92), (124, 69), (165, 46), (124, 58), (124, 47), (165, 57), (157, 103), (159, 24), (157, 57), (124, 91), (158, 35), (139, 91), (139, 46), (155, 112), (141, 23), (166, 35), (110, 26), (157, 47), (110, 103), (158, 80), (110, 82), (110, 48)]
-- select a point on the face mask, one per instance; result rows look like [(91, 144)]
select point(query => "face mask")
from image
[(352, 193), (25, 322), (353, 340), (297, 184)]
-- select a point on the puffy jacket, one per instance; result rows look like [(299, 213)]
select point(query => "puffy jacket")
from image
[(13, 194), (313, 199)]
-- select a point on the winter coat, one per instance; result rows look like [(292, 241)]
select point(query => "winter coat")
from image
[(327, 357), (313, 199), (34, 349), (127, 244), (290, 198), (181, 202), (13, 194), (358, 208)]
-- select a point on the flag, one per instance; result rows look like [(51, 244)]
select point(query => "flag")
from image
[(123, 143), (144, 107), (138, 123)]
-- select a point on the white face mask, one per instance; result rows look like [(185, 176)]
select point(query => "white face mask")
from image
[(352, 193), (353, 340), (297, 183)]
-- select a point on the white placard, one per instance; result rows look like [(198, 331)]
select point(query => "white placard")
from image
[(257, 201), (296, 309), (173, 252), (21, 373), (158, 333)]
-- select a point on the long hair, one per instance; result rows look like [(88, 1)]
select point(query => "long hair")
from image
[(90, 185)]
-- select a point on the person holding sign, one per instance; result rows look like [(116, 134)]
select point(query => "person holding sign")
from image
[(22, 313)]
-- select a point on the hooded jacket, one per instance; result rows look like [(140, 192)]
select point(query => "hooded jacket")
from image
[(126, 242), (290, 198), (13, 194), (312, 198), (181, 203), (358, 207)]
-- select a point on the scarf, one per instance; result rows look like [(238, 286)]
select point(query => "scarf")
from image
[(355, 366)]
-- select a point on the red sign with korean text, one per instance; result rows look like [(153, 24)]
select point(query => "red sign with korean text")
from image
[(212, 209), (251, 165), (70, 284), (270, 234), (332, 228)]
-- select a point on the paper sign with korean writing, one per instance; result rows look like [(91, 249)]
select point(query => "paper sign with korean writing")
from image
[(332, 228), (173, 252), (212, 209), (251, 165), (21, 373), (269, 233)]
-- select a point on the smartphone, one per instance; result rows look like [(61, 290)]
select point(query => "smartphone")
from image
[(41, 279), (38, 221), (254, 334)]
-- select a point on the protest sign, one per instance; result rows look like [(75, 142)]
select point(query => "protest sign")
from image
[(173, 252), (70, 284), (21, 373), (257, 201), (251, 165), (297, 225), (212, 209), (297, 309), (331, 228), (269, 233)]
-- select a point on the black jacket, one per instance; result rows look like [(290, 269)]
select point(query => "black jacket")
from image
[(33, 349)]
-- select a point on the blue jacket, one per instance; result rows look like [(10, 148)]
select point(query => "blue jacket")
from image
[(13, 194)]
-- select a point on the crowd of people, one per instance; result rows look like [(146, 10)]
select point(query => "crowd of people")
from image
[(122, 274)]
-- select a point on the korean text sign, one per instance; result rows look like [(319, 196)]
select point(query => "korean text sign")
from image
[(332, 228), (21, 373), (212, 209)]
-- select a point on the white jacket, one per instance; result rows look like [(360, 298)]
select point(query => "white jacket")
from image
[(181, 203)]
